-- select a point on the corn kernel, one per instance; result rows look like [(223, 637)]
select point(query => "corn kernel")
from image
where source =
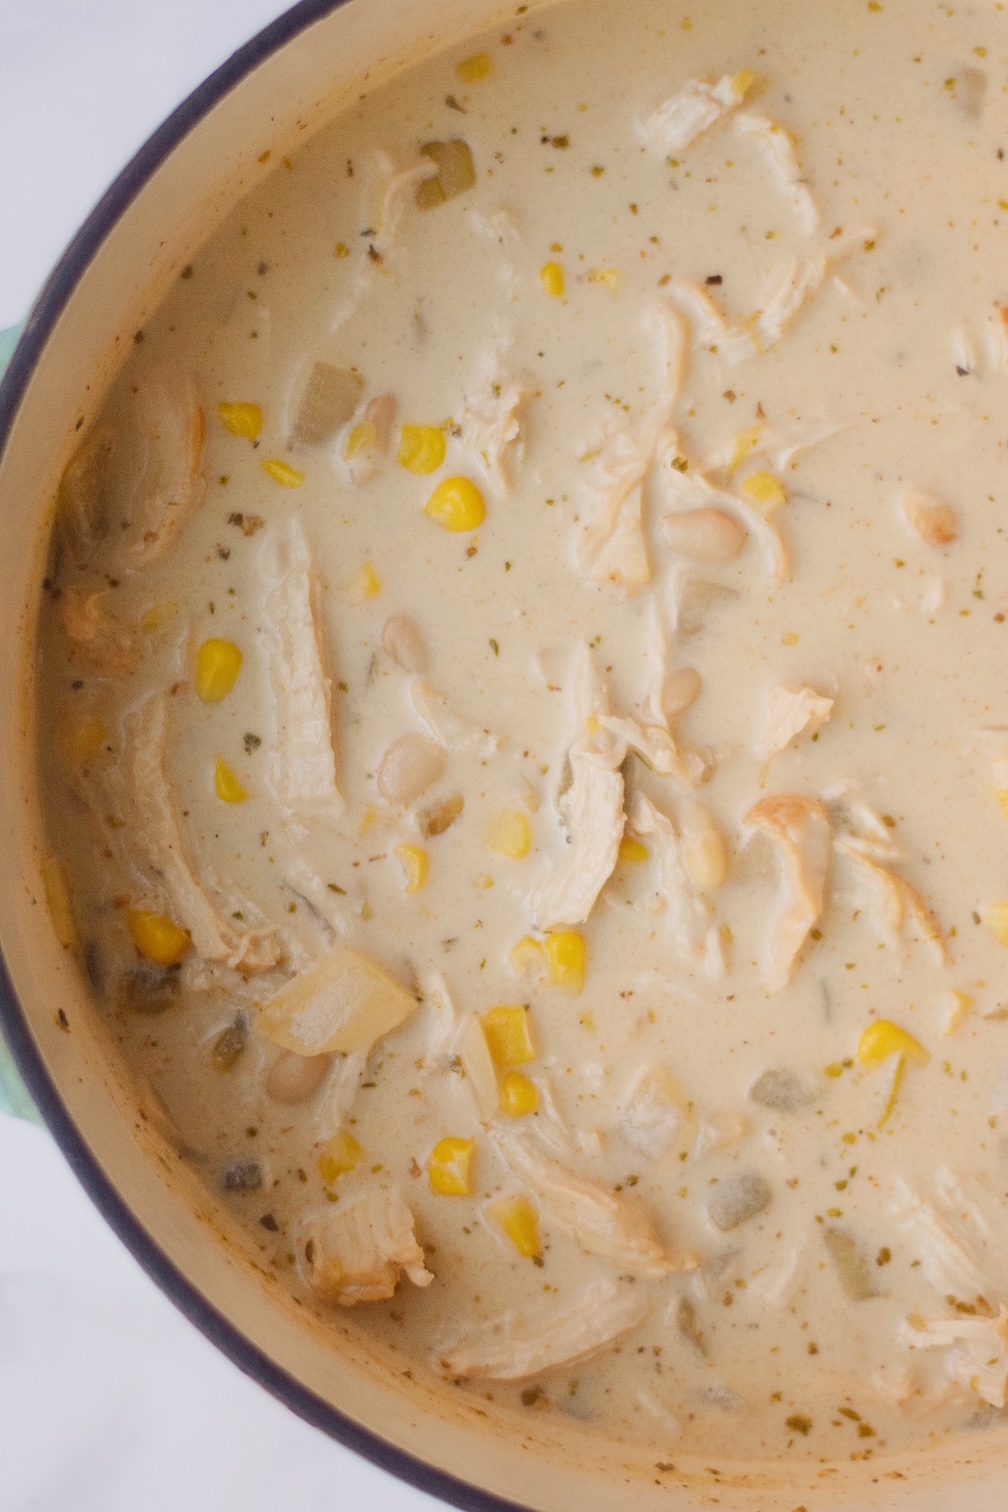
[(450, 1167), (632, 851), (218, 663), (57, 893), (566, 952), (367, 584), (413, 860), (519, 1095), (608, 276), (552, 276), (510, 834), (957, 1007), (746, 443), (158, 616), (883, 1038), (996, 919), (282, 472), (456, 504), (229, 789), (84, 739), (509, 1035), (422, 448), (157, 937), (529, 957), (764, 491), (363, 437), (340, 1155), (743, 82), (520, 1221), (472, 70), (242, 419)]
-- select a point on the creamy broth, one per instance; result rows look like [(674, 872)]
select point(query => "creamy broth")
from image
[(685, 745)]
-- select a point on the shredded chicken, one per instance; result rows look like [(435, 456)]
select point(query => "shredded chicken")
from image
[(655, 1112), (686, 910), (447, 728), (691, 490), (613, 547), (948, 1233), (171, 485), (492, 421), (977, 1350), (517, 1345), (358, 1249), (97, 637), (163, 850), (735, 341), (591, 807), (781, 158), (302, 760), (800, 829), (603, 1223), (787, 711), (685, 116), (894, 904)]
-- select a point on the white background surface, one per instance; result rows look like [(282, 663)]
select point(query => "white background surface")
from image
[(109, 1400)]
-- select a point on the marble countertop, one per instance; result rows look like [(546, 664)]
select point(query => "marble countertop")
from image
[(110, 1401)]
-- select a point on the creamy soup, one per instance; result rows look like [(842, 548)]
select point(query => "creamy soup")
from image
[(525, 723)]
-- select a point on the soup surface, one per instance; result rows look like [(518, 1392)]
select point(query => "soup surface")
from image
[(523, 719)]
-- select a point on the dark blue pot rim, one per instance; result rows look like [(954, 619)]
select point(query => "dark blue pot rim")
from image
[(49, 306)]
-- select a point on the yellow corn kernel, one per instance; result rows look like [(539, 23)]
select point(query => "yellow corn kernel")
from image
[(57, 893), (509, 1035), (413, 860), (510, 834), (472, 70), (743, 82), (282, 472), (1002, 799), (592, 726), (242, 419), (883, 1038), (996, 919), (229, 789), (456, 504), (529, 957), (218, 663), (340, 1155), (450, 1167), (363, 437), (84, 739), (764, 491), (632, 851), (367, 584), (957, 1007), (158, 616), (746, 443), (519, 1095), (566, 952), (608, 276), (157, 937), (552, 276), (422, 448), (520, 1221)]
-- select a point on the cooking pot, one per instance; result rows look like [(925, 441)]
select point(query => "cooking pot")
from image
[(269, 97)]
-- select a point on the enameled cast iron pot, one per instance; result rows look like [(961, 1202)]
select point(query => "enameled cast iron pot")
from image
[(271, 95)]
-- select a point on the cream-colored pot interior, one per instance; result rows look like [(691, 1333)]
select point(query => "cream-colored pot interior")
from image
[(167, 204)]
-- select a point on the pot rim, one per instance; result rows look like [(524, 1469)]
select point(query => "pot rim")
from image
[(49, 305)]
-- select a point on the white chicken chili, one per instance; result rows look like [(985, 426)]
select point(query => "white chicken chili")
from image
[(524, 730)]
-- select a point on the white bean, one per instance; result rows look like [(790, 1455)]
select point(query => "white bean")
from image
[(704, 848), (409, 767), (402, 641), (704, 535), (680, 692), (293, 1078)]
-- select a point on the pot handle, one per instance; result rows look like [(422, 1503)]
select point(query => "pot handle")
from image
[(13, 1097)]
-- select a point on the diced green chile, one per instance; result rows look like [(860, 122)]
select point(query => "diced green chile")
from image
[(242, 1176), (782, 1090), (738, 1198), (148, 990), (854, 1271)]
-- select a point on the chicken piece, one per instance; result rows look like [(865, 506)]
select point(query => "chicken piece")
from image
[(656, 746), (163, 851), (448, 730), (736, 341), (517, 1345), (687, 912), (492, 421), (357, 1249), (787, 711), (101, 640), (302, 760), (781, 158), (591, 808), (948, 1233), (613, 548), (800, 829), (977, 1347), (345, 1003), (655, 1112), (83, 503), (685, 116), (894, 904), (172, 430), (602, 1222)]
